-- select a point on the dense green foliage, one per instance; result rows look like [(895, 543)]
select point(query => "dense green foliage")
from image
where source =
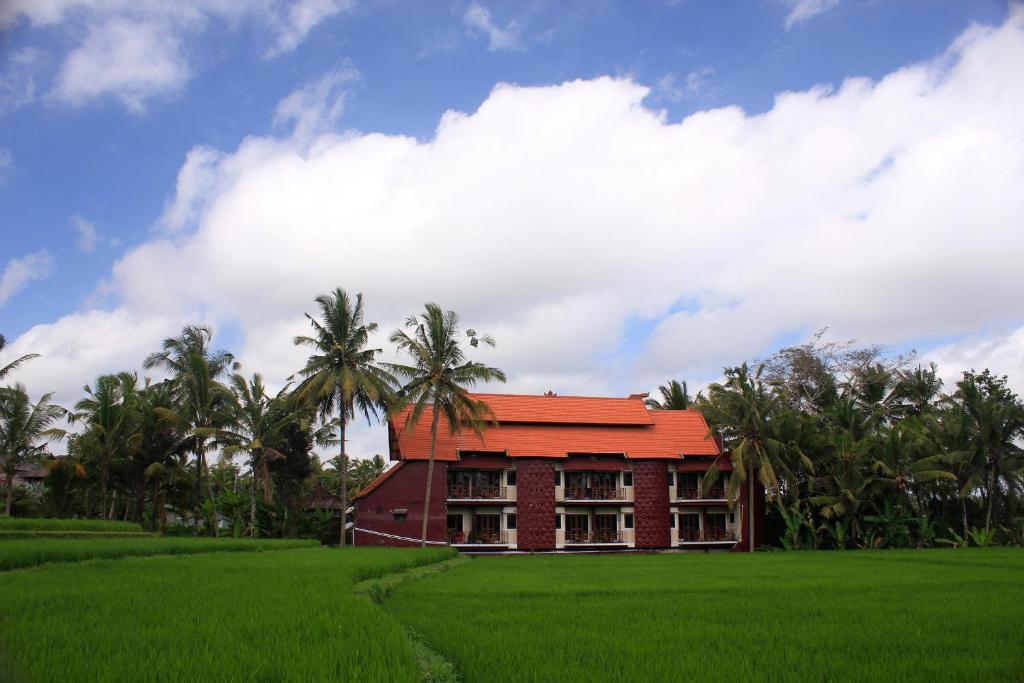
[(938, 615), (859, 450), (276, 616), (19, 553)]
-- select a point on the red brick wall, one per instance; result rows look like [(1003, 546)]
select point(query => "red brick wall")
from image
[(404, 490), (535, 506), (651, 517)]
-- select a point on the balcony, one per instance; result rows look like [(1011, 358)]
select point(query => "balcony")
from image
[(476, 492), (479, 538), (594, 493), (593, 537), (691, 493), (707, 536)]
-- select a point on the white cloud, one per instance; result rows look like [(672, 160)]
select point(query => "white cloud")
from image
[(134, 60), (79, 347), (317, 106), (87, 234), (608, 248), (802, 10), (1003, 354), (17, 78), (477, 19), (20, 271), (301, 17), (139, 50), (668, 88)]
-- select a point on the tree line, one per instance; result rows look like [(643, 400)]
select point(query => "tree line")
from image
[(853, 448), (144, 447)]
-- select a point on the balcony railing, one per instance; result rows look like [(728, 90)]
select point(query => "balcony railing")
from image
[(478, 538), (470, 492), (580, 537), (706, 536), (687, 493), (594, 493)]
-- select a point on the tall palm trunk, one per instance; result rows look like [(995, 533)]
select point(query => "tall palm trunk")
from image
[(252, 504), (343, 494), (10, 493), (991, 495), (963, 513), (750, 504), (103, 485), (430, 474)]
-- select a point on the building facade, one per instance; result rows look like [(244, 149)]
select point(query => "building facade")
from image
[(557, 473)]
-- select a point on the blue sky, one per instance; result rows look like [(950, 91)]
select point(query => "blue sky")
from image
[(102, 104)]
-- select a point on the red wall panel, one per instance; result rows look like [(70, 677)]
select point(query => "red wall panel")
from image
[(404, 490)]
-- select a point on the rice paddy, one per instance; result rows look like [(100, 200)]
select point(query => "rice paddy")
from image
[(271, 616), (939, 615), (292, 614)]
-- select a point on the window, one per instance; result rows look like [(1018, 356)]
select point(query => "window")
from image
[(510, 478), (558, 521), (510, 521), (732, 518), (627, 478), (672, 521), (671, 478), (627, 521), (399, 515), (454, 523), (558, 477)]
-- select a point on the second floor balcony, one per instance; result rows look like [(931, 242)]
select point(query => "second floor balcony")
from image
[(695, 493), (482, 537), (594, 493), (476, 491)]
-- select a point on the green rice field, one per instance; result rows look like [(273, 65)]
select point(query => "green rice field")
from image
[(291, 614), (934, 615)]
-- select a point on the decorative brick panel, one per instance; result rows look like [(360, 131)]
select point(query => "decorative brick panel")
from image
[(404, 490), (650, 513), (535, 504)]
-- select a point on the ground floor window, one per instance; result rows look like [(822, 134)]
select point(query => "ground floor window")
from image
[(510, 521), (627, 520), (714, 526), (689, 527), (577, 527), (606, 528)]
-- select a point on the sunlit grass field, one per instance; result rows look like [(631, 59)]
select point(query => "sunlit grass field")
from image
[(29, 552), (289, 615), (939, 615)]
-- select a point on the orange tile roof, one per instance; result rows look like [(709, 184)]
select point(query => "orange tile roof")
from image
[(663, 433), (590, 410)]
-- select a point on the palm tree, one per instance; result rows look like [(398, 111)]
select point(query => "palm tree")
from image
[(107, 412), (674, 396), (439, 377), (996, 419), (743, 409), (13, 365), (202, 400), (342, 376), (254, 429), (25, 429)]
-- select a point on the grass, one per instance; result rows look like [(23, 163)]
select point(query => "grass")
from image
[(42, 524), (281, 616), (21, 553), (942, 615)]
